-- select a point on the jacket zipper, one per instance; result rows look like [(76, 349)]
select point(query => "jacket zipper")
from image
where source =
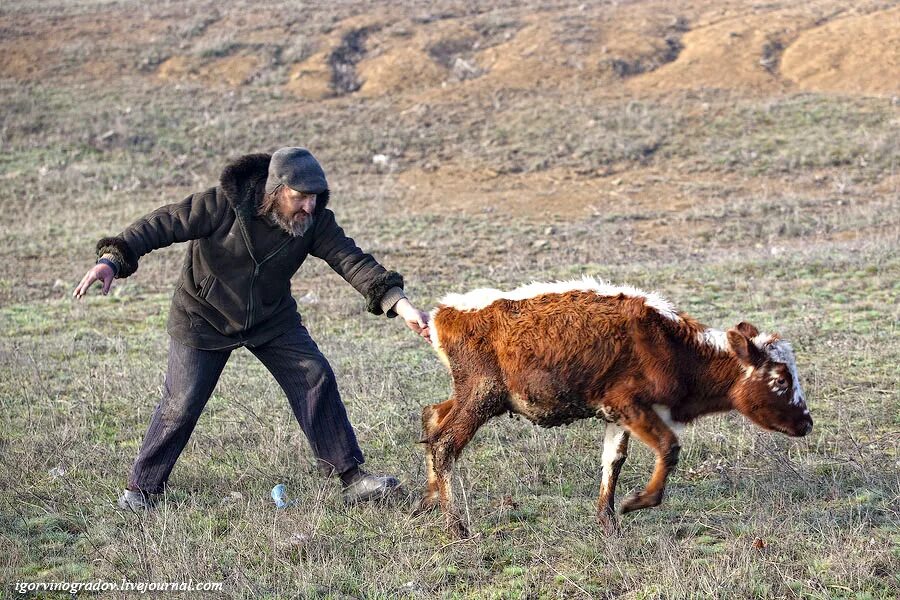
[(257, 265), (250, 305)]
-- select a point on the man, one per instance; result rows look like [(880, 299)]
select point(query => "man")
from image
[(248, 236)]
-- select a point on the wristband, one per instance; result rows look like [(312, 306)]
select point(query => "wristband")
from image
[(110, 264)]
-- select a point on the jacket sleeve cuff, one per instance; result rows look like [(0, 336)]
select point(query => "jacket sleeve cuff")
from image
[(109, 260), (122, 254), (391, 298), (381, 285)]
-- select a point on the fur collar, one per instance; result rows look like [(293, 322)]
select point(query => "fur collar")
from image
[(243, 181)]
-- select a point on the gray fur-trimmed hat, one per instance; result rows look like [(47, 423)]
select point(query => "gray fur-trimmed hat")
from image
[(298, 169)]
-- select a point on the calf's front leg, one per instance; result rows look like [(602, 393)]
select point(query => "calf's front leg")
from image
[(447, 439), (650, 428), (432, 418)]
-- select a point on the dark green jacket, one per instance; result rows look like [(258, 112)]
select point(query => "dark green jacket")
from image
[(235, 287)]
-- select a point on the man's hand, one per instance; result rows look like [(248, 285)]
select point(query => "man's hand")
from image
[(415, 318), (100, 272)]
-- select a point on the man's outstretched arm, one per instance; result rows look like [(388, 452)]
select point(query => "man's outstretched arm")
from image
[(382, 289), (195, 217)]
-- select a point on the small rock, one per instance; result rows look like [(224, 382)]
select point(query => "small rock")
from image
[(295, 540), (308, 298), (549, 230), (463, 69), (617, 181), (538, 244), (232, 498), (58, 471)]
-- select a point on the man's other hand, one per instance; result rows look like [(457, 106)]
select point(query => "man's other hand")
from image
[(415, 318), (100, 272)]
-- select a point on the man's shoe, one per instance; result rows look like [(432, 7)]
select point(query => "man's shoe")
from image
[(137, 501), (367, 487)]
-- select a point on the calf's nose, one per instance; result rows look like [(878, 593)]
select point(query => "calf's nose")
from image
[(808, 428)]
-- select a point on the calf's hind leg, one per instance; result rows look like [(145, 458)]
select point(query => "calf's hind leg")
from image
[(615, 451)]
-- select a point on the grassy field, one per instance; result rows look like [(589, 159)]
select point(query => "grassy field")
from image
[(766, 199)]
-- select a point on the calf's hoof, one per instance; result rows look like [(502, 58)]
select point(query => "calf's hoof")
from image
[(640, 500), (425, 505), (456, 527), (608, 523)]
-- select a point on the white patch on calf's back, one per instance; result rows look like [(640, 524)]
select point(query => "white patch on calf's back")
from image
[(714, 338), (480, 298), (474, 300)]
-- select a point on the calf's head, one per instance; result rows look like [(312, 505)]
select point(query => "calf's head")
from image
[(769, 392)]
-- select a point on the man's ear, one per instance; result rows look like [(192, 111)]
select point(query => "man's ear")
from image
[(745, 350), (747, 329)]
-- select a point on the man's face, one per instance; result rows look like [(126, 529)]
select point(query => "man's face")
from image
[(294, 211)]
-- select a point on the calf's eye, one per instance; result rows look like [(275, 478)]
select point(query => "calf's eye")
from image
[(781, 381)]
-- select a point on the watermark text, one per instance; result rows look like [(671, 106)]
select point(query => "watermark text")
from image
[(101, 585)]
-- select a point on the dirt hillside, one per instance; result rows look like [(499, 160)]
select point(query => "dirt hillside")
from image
[(642, 47), (857, 54)]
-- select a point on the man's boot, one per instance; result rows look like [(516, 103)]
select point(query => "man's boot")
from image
[(137, 501), (360, 486)]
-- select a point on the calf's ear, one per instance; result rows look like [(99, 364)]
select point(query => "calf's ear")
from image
[(744, 348), (747, 329)]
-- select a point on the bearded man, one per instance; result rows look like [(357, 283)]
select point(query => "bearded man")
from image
[(247, 237)]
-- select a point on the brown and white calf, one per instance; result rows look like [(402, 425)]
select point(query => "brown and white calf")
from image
[(558, 352)]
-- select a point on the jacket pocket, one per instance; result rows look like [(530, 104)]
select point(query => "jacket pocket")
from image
[(205, 286)]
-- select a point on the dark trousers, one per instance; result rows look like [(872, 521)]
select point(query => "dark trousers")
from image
[(300, 369)]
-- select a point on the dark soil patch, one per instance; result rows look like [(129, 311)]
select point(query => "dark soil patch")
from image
[(344, 58), (627, 68)]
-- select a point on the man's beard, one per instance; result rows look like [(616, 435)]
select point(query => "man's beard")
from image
[(295, 225)]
